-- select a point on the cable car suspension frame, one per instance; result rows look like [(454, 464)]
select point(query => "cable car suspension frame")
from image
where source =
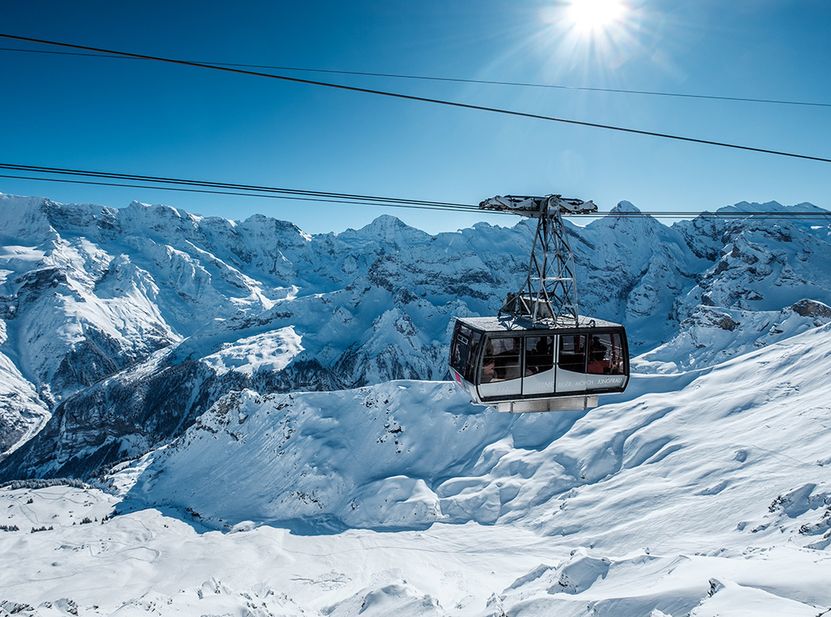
[(549, 292)]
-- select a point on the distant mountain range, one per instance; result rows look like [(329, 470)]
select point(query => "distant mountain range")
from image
[(121, 327)]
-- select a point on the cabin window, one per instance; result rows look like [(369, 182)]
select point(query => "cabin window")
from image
[(572, 353), (502, 360), (605, 354), (464, 351), (539, 354)]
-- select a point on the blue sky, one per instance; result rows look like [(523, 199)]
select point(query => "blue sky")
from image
[(154, 119)]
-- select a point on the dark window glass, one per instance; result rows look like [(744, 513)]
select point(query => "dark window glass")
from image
[(473, 355), (600, 354), (501, 360), (605, 354), (572, 353), (459, 348), (617, 359), (539, 354), (464, 350)]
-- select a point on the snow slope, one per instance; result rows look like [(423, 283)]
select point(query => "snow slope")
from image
[(705, 492), (239, 374), (408, 454), (146, 563)]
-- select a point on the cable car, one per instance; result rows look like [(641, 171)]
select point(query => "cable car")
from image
[(515, 366), (539, 353)]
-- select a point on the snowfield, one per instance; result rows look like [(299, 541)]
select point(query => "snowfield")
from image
[(698, 493), (209, 417), (146, 563), (407, 454)]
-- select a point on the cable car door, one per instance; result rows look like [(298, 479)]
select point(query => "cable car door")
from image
[(571, 363), (538, 377)]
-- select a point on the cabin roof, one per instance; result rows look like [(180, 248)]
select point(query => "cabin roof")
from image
[(509, 324)]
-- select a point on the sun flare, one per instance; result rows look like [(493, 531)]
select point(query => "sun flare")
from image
[(595, 15)]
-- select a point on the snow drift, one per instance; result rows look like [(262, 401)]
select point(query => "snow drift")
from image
[(735, 453)]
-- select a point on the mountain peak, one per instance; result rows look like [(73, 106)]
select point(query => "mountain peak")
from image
[(386, 221), (626, 207), (388, 227), (163, 210)]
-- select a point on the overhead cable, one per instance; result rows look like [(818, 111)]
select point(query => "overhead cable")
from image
[(422, 99), (460, 80), (226, 185), (240, 193), (106, 178)]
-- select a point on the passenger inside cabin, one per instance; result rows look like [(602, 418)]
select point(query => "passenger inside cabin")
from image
[(501, 361), (539, 358), (598, 361), (488, 370)]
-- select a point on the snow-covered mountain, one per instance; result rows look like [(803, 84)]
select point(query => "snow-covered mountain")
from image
[(128, 324), (706, 492), (359, 458), (247, 378)]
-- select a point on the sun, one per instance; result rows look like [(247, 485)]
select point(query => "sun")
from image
[(591, 35), (595, 15)]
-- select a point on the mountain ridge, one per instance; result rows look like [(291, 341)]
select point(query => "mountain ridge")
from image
[(120, 288)]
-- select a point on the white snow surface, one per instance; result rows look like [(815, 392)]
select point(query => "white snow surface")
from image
[(172, 339), (408, 454), (704, 492), (270, 350)]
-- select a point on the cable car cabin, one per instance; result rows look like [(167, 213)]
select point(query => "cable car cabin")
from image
[(514, 365)]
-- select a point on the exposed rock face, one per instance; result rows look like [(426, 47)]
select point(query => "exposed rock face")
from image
[(128, 324), (812, 308)]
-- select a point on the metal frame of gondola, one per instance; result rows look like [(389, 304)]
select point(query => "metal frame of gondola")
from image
[(549, 293)]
